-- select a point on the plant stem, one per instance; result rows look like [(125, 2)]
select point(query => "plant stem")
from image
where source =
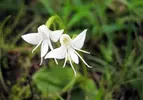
[(84, 70), (2, 81)]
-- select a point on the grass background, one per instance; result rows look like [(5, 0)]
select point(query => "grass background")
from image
[(114, 38)]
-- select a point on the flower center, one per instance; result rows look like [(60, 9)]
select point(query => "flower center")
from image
[(65, 40), (44, 31)]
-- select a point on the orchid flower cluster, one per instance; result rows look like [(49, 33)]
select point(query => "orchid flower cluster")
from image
[(67, 50)]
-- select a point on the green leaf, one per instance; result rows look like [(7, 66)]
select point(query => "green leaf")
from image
[(47, 5), (88, 85), (92, 93), (106, 52), (53, 80), (111, 28), (77, 18)]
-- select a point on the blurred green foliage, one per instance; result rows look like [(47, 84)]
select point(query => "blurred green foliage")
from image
[(49, 82), (114, 38)]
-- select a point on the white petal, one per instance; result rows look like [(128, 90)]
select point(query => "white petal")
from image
[(44, 48), (72, 65), (58, 53), (44, 30), (79, 40), (73, 56), (55, 35), (51, 47), (41, 61), (32, 38)]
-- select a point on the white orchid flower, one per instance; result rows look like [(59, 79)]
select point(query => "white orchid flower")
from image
[(43, 37), (68, 49)]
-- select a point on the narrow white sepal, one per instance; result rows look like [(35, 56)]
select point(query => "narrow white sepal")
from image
[(66, 58), (72, 66), (83, 60), (82, 50), (36, 46)]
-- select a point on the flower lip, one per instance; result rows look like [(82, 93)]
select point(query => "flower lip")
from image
[(65, 40)]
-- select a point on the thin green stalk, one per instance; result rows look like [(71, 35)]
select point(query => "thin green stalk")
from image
[(69, 85), (2, 81), (53, 19), (59, 97), (16, 21), (132, 80), (84, 70)]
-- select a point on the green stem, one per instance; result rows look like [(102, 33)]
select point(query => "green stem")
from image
[(2, 81), (59, 97), (16, 21), (69, 85), (84, 70), (53, 19)]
